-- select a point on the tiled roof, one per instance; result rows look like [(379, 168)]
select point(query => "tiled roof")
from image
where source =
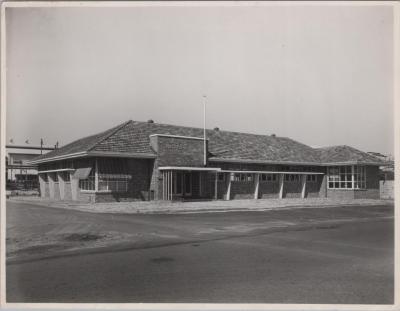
[(81, 145), (133, 137), (338, 154)]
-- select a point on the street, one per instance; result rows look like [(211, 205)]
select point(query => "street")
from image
[(339, 255)]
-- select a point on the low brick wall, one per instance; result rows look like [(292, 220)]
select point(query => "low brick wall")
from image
[(386, 189), (116, 197), (340, 194), (292, 189), (242, 190), (268, 190)]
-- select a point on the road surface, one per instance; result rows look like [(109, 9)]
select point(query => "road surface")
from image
[(331, 255)]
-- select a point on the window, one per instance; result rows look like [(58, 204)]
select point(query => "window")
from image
[(359, 177), (113, 174), (177, 183), (312, 178), (341, 177), (54, 176), (292, 177), (243, 177), (221, 176), (65, 176), (269, 177)]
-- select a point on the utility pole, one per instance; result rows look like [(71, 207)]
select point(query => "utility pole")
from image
[(204, 130)]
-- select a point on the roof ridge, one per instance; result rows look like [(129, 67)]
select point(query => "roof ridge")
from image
[(334, 146), (91, 146), (208, 129)]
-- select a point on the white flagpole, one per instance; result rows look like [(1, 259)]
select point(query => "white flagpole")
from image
[(204, 130)]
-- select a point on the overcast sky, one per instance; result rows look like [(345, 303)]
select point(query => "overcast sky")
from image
[(320, 75)]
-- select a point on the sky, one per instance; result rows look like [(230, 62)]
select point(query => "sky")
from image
[(322, 75)]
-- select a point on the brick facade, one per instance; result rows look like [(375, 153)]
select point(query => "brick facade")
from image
[(146, 180)]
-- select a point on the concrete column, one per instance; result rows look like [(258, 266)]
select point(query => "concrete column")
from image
[(96, 176), (303, 186), (228, 186), (163, 185), (216, 186), (281, 182), (74, 188), (61, 185), (51, 185), (42, 185), (257, 185)]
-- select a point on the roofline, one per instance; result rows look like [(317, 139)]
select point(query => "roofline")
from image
[(274, 172), (95, 154), (22, 166), (57, 170), (355, 163), (178, 136), (230, 160), (188, 168), (119, 127)]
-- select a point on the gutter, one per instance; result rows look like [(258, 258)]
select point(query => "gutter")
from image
[(95, 154), (219, 160)]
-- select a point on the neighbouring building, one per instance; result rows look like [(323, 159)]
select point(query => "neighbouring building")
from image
[(151, 161), (20, 173)]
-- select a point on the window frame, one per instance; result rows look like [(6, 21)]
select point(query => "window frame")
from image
[(347, 177)]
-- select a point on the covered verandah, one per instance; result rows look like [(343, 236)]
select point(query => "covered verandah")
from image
[(189, 183), (256, 178), (193, 183)]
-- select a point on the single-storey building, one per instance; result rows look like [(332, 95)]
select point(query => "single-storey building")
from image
[(151, 161)]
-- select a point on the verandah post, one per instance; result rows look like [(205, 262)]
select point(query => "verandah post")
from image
[(303, 185), (281, 185), (216, 186)]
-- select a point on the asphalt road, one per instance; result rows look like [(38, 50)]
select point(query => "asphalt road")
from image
[(333, 255)]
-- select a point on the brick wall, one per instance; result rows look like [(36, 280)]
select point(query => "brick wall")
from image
[(314, 189), (141, 174), (340, 194), (268, 190), (242, 190), (173, 151), (292, 189)]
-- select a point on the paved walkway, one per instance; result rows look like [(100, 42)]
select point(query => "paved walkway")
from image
[(151, 207)]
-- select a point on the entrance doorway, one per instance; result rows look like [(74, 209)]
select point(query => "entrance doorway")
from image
[(182, 184)]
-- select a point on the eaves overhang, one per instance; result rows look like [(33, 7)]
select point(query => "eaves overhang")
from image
[(86, 154), (231, 160)]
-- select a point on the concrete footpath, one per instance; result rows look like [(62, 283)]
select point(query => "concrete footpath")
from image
[(162, 207)]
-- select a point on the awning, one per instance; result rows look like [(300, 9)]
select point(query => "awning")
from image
[(58, 170), (273, 172), (82, 173), (189, 168)]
